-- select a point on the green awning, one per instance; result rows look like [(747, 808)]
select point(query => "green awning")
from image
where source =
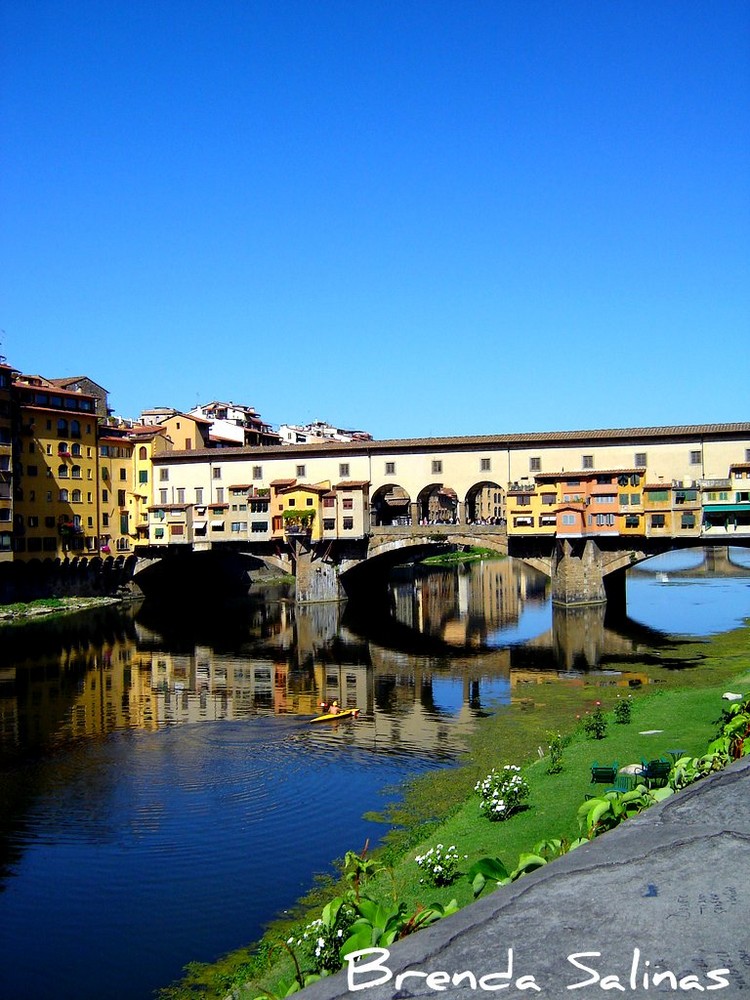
[(727, 508)]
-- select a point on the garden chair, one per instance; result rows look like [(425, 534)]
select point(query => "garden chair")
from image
[(656, 772), (603, 774), (624, 783)]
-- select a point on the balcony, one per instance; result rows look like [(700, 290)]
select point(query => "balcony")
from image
[(297, 531)]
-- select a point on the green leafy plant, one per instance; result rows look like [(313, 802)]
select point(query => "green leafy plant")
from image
[(502, 792), (735, 729), (487, 870), (603, 812), (378, 926), (358, 869)]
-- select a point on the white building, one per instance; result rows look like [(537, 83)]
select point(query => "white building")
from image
[(319, 431), (235, 425)]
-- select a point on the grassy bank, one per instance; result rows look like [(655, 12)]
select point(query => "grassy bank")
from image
[(47, 607), (466, 555), (677, 711)]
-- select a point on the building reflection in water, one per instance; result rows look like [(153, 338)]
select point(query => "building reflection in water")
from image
[(421, 670)]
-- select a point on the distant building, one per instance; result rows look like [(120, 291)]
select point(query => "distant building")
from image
[(317, 432), (82, 383), (156, 415), (187, 431), (234, 425)]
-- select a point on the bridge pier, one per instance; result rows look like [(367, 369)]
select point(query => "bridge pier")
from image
[(316, 580), (577, 573)]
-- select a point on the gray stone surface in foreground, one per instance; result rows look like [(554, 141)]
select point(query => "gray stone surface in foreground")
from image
[(666, 891)]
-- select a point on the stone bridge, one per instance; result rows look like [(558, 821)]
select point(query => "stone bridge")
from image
[(583, 571)]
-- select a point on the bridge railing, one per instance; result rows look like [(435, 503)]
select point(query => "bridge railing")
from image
[(438, 529)]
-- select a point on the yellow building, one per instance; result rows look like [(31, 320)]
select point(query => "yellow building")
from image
[(187, 431), (56, 505), (531, 507), (657, 508), (297, 508), (148, 441), (117, 506)]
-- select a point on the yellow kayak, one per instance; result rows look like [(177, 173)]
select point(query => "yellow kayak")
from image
[(345, 713)]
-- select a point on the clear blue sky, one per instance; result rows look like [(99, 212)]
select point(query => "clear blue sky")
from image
[(415, 218)]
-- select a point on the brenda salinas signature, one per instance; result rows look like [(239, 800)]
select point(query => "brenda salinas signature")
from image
[(368, 968)]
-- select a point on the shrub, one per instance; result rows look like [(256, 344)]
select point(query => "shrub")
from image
[(322, 939), (556, 744), (623, 710), (595, 724), (439, 864), (502, 792)]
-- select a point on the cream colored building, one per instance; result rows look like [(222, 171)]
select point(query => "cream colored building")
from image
[(413, 471)]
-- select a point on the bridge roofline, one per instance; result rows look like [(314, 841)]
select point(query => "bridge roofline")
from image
[(677, 432)]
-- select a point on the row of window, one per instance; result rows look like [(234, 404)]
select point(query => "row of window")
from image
[(241, 527), (63, 448), (50, 543), (66, 402), (687, 520), (68, 472), (258, 504)]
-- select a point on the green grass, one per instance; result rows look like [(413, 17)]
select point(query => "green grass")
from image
[(21, 607), (473, 554), (443, 807)]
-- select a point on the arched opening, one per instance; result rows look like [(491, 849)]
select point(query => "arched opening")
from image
[(438, 504), (485, 504), (390, 505)]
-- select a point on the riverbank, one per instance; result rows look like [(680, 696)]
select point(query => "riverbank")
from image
[(462, 556), (442, 807), (46, 607)]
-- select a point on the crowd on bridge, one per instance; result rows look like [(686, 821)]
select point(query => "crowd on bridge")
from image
[(446, 521)]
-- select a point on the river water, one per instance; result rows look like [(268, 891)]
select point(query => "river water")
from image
[(164, 795)]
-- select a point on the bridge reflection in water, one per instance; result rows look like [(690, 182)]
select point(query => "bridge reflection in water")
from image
[(162, 839), (442, 649)]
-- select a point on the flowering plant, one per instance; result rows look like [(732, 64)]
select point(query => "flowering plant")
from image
[(322, 939), (502, 792), (440, 864)]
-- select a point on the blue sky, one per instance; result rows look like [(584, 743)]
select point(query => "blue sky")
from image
[(414, 218)]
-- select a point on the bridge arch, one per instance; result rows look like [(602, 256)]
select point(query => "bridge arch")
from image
[(485, 503), (390, 505), (437, 504)]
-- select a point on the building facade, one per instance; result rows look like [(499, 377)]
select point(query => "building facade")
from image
[(6, 463), (56, 512)]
